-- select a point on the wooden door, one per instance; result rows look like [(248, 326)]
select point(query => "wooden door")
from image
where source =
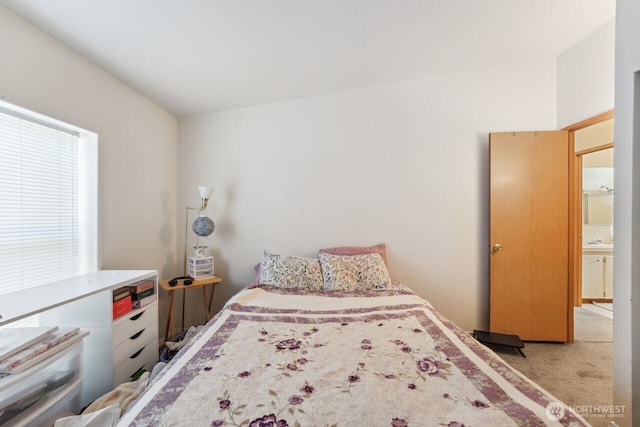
[(529, 242)]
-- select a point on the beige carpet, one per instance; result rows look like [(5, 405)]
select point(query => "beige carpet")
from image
[(579, 374)]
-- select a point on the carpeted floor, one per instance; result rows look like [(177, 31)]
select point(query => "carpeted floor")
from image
[(579, 374)]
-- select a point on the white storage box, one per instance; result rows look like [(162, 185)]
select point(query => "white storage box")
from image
[(200, 267), (46, 390)]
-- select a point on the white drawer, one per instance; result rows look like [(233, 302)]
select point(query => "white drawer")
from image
[(147, 335), (146, 358), (63, 403), (133, 322)]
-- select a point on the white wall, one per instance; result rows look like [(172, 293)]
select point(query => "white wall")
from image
[(137, 142), (405, 164), (626, 326), (586, 77)]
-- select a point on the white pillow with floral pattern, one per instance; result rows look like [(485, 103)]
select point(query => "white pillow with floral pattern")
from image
[(291, 272), (353, 272)]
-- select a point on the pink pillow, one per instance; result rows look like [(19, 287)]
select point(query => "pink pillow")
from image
[(358, 250)]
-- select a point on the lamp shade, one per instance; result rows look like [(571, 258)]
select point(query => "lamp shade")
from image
[(203, 226), (205, 192)]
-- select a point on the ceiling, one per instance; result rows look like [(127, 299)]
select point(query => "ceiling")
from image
[(199, 56)]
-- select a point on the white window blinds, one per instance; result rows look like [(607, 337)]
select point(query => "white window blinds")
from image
[(39, 212)]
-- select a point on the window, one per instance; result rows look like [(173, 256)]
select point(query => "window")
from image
[(48, 200)]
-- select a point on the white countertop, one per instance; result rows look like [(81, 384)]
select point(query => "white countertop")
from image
[(598, 247)]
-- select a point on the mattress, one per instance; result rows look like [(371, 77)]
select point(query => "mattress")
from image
[(287, 357)]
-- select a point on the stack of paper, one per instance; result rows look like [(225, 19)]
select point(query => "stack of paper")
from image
[(12, 340)]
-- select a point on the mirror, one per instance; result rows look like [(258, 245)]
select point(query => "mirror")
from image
[(598, 207), (597, 184)]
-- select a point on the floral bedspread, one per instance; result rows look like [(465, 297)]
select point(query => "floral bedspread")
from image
[(276, 357)]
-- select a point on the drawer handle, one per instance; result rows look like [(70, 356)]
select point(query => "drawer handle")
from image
[(137, 316), (137, 334), (136, 354)]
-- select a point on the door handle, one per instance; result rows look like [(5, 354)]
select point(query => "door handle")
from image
[(497, 247)]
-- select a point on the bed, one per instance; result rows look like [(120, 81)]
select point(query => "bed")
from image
[(304, 353)]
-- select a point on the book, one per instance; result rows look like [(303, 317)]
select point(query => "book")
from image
[(145, 301), (13, 340), (121, 293), (141, 287), (141, 295), (34, 353), (122, 307)]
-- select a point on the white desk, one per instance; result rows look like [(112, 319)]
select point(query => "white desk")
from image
[(24, 303), (86, 302)]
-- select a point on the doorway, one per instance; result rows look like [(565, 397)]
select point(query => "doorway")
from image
[(591, 209), (550, 163), (597, 228)]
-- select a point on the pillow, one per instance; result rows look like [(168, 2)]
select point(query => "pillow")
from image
[(353, 272), (256, 275), (358, 250), (291, 272)]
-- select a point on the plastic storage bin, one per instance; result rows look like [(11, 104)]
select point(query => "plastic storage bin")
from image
[(47, 390), (200, 267), (63, 403)]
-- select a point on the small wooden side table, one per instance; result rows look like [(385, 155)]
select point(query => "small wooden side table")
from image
[(202, 283)]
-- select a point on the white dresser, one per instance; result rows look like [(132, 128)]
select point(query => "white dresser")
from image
[(135, 342)]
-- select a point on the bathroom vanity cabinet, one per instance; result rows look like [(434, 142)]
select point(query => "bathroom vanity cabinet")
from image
[(597, 275)]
